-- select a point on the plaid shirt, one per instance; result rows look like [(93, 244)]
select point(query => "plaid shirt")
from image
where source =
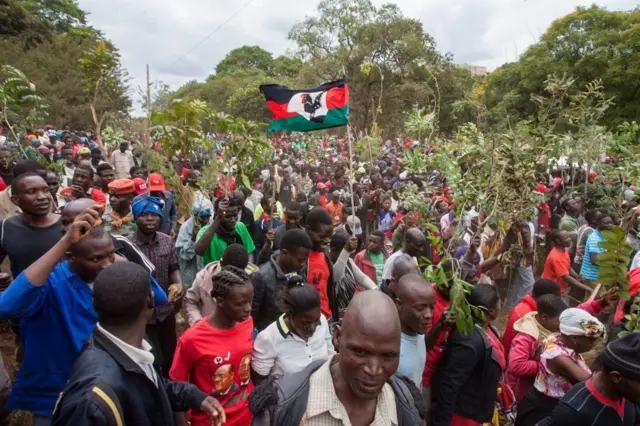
[(162, 253)]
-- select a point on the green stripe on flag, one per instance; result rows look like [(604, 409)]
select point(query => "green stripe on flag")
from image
[(334, 118)]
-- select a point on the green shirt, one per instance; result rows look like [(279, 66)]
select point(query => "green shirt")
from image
[(218, 246), (569, 224), (378, 262)]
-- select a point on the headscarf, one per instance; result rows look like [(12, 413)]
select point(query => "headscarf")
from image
[(147, 205), (578, 322)]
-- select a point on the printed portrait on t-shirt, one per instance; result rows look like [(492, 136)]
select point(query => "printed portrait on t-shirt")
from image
[(244, 370), (223, 380)]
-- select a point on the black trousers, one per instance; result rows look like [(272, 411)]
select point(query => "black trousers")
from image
[(163, 338)]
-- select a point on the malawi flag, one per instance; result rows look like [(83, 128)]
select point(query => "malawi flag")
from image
[(306, 110)]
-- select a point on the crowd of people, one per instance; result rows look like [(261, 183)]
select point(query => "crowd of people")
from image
[(300, 300)]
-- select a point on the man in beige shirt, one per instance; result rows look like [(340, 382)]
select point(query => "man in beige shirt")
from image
[(356, 387), (122, 161)]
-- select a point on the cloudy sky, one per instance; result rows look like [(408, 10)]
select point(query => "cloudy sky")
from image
[(184, 40)]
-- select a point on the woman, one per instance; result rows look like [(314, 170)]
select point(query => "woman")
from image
[(561, 364), (467, 381), (299, 337), (385, 218), (215, 353)]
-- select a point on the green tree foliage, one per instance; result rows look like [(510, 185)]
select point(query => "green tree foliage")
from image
[(588, 44), (614, 262), (246, 57)]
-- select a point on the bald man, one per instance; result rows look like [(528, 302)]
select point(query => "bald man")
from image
[(415, 300), (357, 384), (412, 250)]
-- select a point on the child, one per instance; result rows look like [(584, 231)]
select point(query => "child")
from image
[(385, 218), (524, 355)]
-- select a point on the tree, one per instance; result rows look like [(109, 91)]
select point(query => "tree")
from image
[(105, 82), (588, 44), (246, 57)]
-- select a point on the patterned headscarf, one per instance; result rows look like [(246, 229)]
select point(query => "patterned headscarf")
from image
[(578, 322)]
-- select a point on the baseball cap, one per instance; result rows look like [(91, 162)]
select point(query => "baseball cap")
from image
[(542, 189), (355, 225), (140, 185), (156, 182)]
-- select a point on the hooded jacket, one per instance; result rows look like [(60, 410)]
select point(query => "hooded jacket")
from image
[(523, 366)]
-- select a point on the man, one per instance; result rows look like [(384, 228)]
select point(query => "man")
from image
[(122, 161), (81, 187), (53, 302), (6, 165), (608, 398), (114, 380), (356, 386), (169, 209), (570, 223), (400, 228), (198, 301), (119, 220), (159, 249), (54, 189), (293, 217), (335, 208), (590, 267), (412, 248), (557, 266), (371, 261), (212, 240), (245, 214), (26, 237), (268, 221), (106, 173), (96, 159), (415, 300), (319, 269), (272, 276), (7, 207), (69, 164)]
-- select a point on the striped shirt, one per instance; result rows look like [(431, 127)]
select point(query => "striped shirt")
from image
[(589, 270)]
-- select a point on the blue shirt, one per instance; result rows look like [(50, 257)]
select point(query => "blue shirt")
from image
[(413, 357), (55, 320), (588, 269)]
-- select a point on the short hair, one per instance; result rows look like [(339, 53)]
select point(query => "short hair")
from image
[(28, 166), (555, 234), (232, 202), (19, 179), (591, 216), (483, 297), (87, 169), (298, 297), (317, 217), (293, 206), (544, 286), (339, 240), (96, 151), (225, 279), (102, 167), (377, 233), (235, 255), (120, 293), (264, 201), (134, 169), (294, 239), (551, 305)]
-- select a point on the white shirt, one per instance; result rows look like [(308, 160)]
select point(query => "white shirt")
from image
[(278, 351), (143, 357)]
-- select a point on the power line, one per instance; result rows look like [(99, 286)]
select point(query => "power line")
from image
[(207, 37)]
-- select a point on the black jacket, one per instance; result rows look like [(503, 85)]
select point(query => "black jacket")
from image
[(283, 402), (466, 380), (247, 218), (268, 283), (107, 388)]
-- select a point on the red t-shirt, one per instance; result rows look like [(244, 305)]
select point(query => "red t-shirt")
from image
[(318, 276), (96, 195), (434, 355), (218, 362), (557, 266)]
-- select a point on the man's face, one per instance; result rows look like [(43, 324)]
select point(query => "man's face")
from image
[(108, 175), (293, 219), (376, 244), (294, 260), (223, 378), (571, 206), (244, 369), (138, 173), (91, 256), (123, 147), (67, 155), (416, 308), (321, 237), (96, 156), (564, 239), (121, 202), (32, 196), (54, 184), (415, 246), (148, 222), (6, 162), (386, 205), (335, 197), (82, 178), (229, 217), (368, 357), (606, 224)]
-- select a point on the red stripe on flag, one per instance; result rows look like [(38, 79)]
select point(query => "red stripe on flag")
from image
[(280, 110), (337, 97)]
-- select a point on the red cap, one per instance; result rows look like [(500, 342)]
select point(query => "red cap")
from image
[(141, 185), (542, 189), (593, 175), (156, 182), (557, 181)]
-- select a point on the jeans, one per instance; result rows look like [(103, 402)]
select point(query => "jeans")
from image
[(521, 285)]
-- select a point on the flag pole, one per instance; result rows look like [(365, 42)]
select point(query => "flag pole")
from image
[(351, 171)]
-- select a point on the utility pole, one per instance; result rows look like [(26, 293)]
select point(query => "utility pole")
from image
[(148, 135)]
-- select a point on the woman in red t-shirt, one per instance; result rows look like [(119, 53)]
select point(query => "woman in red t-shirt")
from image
[(215, 353)]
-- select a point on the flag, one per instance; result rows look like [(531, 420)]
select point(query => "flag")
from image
[(305, 110)]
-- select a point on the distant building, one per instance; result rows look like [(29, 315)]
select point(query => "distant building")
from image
[(475, 69)]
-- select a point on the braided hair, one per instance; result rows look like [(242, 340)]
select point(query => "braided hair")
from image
[(227, 277)]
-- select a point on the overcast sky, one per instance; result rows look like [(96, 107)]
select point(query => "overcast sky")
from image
[(180, 40)]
